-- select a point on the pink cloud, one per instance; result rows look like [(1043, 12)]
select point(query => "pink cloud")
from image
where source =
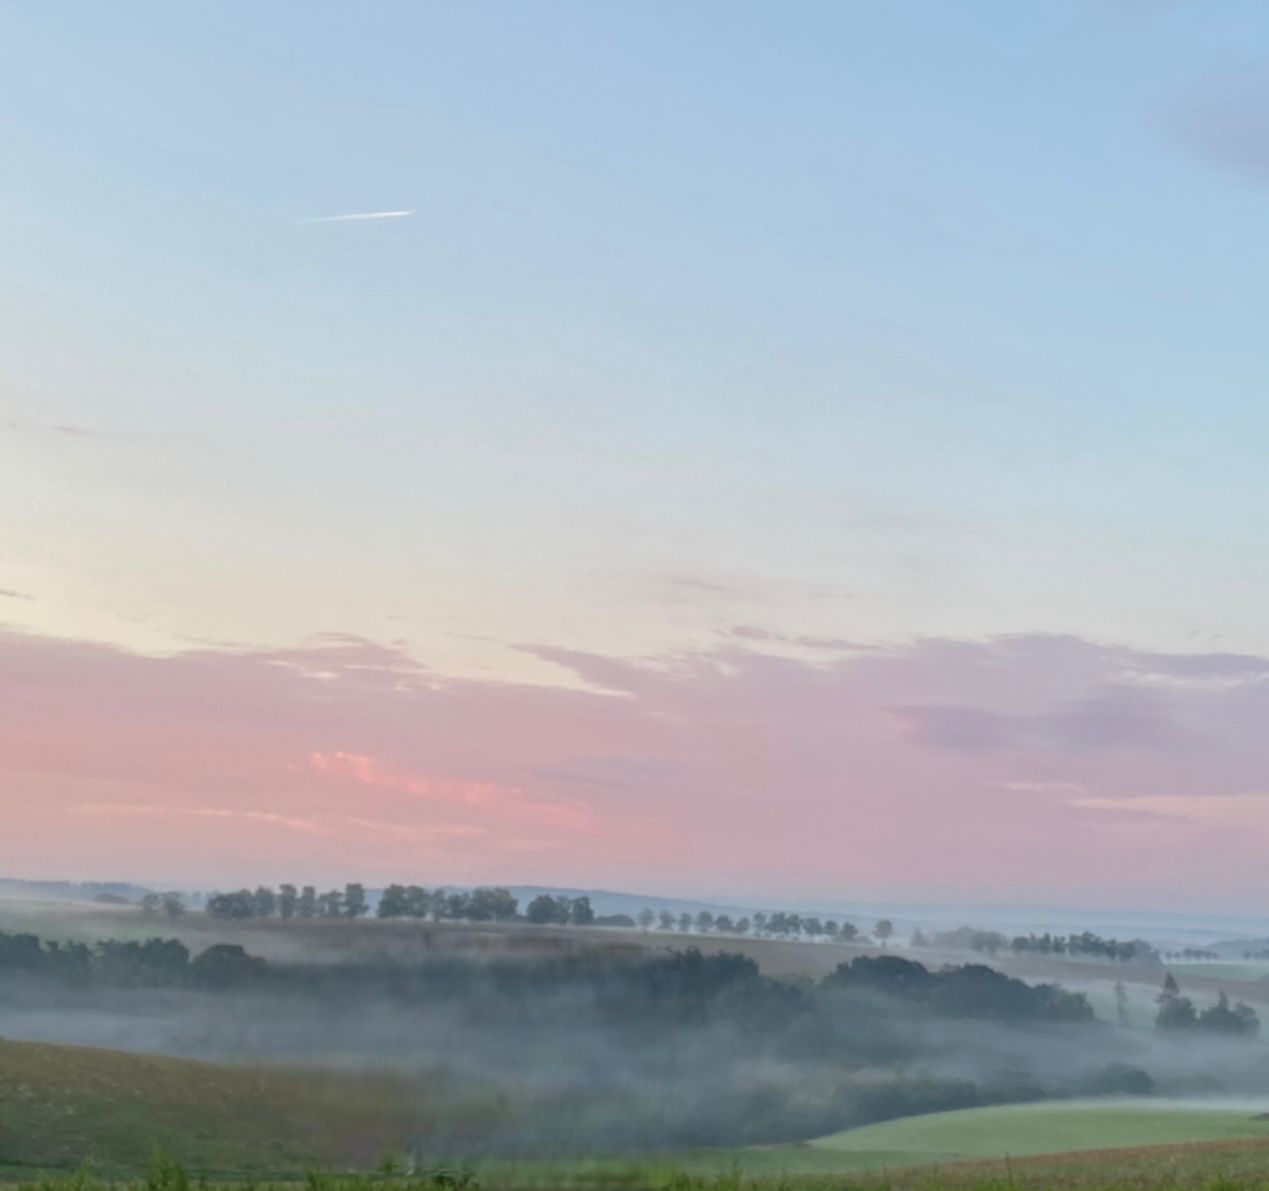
[(507, 800), (1026, 767)]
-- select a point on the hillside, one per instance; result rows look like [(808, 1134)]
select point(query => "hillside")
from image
[(1014, 1131), (62, 1106)]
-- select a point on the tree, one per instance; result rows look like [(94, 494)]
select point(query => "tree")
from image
[(173, 905), (704, 922), (760, 923), (989, 941), (543, 910), (685, 923), (783, 924), (742, 926), (883, 930), (263, 902), (355, 900), (150, 903), (665, 920), (331, 904), (831, 930), (724, 925), (918, 939), (456, 905), (646, 918), (1241, 1020), (231, 905), (288, 901), (491, 905), (418, 902), (306, 907), (394, 902), (225, 965), (580, 911), (437, 901), (1176, 1013)]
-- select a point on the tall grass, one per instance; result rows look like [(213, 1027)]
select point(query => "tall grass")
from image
[(167, 1174)]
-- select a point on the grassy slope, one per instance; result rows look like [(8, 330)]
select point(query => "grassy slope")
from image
[(61, 1106), (1009, 1131)]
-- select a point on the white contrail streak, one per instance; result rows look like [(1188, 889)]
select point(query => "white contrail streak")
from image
[(356, 215)]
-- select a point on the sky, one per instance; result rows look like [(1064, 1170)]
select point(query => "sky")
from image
[(722, 448)]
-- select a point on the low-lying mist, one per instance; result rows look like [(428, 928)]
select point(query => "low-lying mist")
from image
[(608, 1051)]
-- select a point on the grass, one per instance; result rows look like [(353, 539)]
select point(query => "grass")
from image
[(1090, 1142), (961, 1151), (1010, 1131), (61, 1106), (1219, 1166)]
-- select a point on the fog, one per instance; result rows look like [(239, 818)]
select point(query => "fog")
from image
[(596, 1052)]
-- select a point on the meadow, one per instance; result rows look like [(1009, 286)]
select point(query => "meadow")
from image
[(1016, 1131)]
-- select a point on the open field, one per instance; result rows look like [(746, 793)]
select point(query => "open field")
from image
[(1076, 1144), (61, 1106), (1203, 1166), (1023, 1130)]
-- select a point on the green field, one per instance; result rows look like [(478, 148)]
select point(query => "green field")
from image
[(61, 1106), (1010, 1131)]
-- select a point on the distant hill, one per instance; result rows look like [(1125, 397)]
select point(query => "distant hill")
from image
[(606, 901), (72, 891), (1230, 934)]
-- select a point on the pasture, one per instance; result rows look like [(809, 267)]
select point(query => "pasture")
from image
[(1013, 1131)]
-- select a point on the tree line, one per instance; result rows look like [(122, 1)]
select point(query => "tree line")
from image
[(1084, 944), (289, 902), (482, 904), (497, 904), (1178, 1014), (777, 924), (650, 1009), (478, 905), (674, 985), (154, 963)]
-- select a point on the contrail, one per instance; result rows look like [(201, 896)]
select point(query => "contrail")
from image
[(358, 215)]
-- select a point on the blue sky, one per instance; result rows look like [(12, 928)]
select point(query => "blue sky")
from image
[(822, 441), (879, 320)]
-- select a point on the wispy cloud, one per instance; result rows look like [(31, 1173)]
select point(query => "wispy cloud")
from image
[(358, 216), (1228, 126), (987, 769), (7, 593), (70, 430), (749, 632)]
